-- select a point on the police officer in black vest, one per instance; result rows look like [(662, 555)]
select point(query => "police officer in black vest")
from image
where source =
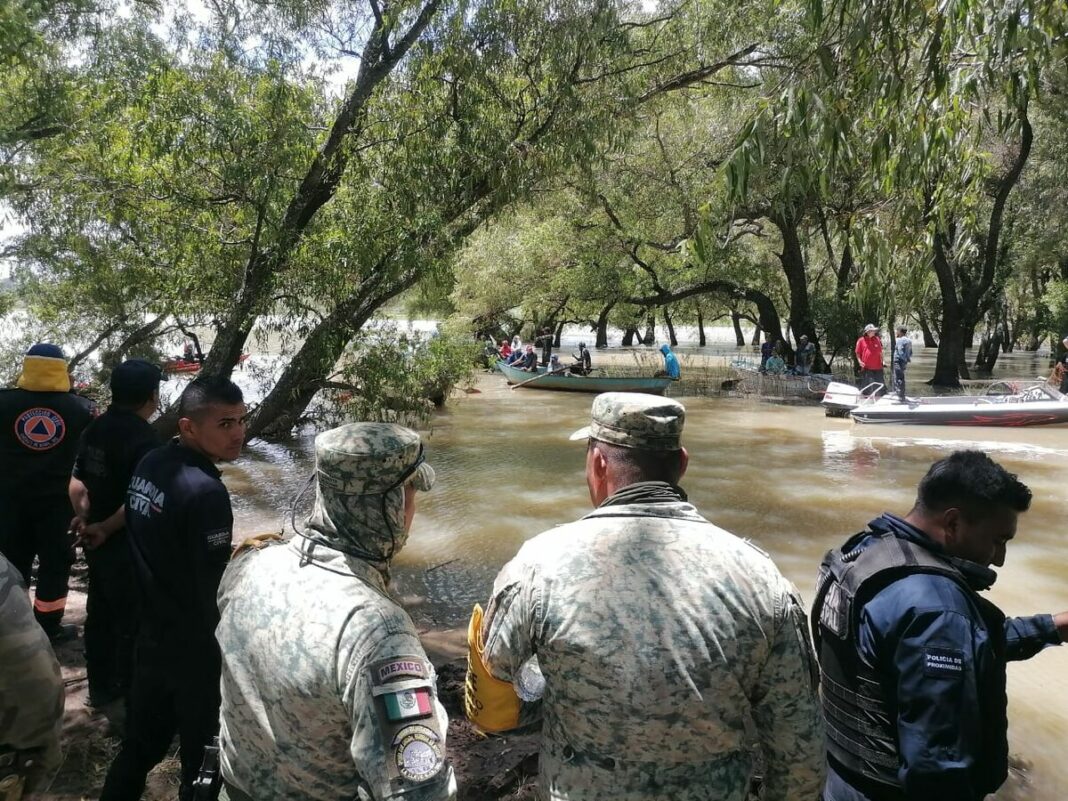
[(179, 527), (912, 658), (109, 451), (40, 423)]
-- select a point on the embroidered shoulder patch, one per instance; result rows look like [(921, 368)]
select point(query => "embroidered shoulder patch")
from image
[(417, 753), (40, 429), (946, 663), (393, 669)]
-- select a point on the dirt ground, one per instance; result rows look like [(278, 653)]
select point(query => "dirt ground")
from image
[(487, 768)]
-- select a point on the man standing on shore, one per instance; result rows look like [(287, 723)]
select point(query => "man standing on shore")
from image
[(327, 692), (31, 694), (658, 635), (869, 351), (109, 451), (40, 423), (912, 658), (179, 525)]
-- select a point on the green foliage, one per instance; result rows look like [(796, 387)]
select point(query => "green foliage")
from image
[(400, 376)]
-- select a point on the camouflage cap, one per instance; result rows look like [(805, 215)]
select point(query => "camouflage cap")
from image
[(370, 458), (635, 420)]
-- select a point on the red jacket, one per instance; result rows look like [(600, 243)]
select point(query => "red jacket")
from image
[(869, 352)]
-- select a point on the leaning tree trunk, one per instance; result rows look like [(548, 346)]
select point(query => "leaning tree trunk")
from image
[(756, 336), (602, 326), (671, 329), (629, 335), (701, 329), (558, 333), (929, 340), (739, 334)]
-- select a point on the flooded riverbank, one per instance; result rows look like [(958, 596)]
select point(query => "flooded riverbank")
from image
[(788, 478)]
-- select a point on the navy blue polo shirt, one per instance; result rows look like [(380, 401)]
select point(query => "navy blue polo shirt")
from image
[(179, 524), (110, 450)]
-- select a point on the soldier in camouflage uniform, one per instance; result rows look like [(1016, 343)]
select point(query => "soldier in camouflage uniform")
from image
[(659, 636), (31, 693), (326, 690)]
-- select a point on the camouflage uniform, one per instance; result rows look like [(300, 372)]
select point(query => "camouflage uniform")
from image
[(326, 690), (659, 636), (31, 688)]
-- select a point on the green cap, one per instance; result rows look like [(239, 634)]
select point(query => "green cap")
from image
[(635, 420), (370, 458)]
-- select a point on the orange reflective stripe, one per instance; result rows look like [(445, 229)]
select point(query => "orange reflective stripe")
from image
[(57, 605)]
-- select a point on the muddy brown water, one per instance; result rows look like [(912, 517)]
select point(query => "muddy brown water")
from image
[(790, 479)]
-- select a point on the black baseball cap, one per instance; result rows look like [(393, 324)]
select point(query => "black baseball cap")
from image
[(134, 381)]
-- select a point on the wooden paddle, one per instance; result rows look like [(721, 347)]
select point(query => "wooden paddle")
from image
[(540, 375)]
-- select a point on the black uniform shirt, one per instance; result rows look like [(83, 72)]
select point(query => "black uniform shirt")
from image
[(179, 524), (39, 434), (110, 449)]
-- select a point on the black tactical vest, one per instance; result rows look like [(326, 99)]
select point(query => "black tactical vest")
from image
[(861, 726)]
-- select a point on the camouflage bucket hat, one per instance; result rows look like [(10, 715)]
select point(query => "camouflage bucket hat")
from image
[(370, 459), (635, 420)]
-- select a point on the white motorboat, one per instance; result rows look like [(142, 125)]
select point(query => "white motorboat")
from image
[(1004, 404)]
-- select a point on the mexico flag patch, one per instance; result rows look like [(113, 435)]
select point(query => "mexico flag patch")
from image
[(414, 703)]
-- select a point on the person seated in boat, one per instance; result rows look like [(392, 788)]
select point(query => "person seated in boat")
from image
[(806, 354), (767, 348), (583, 362), (516, 355), (505, 350), (556, 366), (671, 365), (528, 362), (188, 354), (775, 365)]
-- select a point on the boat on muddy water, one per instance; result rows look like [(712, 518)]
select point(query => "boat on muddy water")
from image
[(1004, 404), (565, 382), (751, 381)]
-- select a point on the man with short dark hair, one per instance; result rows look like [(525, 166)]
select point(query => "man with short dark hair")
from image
[(806, 354), (583, 362), (658, 634), (901, 360), (110, 449), (40, 423), (912, 658), (179, 525)]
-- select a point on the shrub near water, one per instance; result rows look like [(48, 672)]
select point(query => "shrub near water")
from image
[(399, 376)]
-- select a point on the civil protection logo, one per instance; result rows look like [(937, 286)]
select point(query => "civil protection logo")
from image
[(40, 429)]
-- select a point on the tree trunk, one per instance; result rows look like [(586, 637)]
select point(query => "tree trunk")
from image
[(556, 336), (739, 334), (989, 349), (951, 344), (756, 335), (701, 341), (671, 329), (929, 340), (650, 330), (792, 260), (602, 326), (628, 336), (305, 373)]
